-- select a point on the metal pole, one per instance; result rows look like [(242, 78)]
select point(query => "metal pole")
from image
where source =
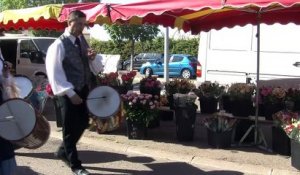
[(257, 80), (166, 55)]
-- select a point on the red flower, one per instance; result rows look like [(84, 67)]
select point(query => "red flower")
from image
[(49, 90)]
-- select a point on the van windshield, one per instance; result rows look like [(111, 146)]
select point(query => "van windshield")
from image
[(43, 44)]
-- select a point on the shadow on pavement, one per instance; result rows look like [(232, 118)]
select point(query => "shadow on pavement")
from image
[(92, 157), (24, 170), (173, 168), (114, 171), (177, 168)]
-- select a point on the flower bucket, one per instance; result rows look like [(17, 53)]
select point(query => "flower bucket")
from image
[(208, 105), (219, 139), (185, 122), (226, 103), (295, 154), (165, 115), (297, 105), (281, 143), (271, 109), (242, 107), (135, 130), (155, 123), (171, 101)]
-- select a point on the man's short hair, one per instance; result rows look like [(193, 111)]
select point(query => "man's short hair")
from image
[(76, 14)]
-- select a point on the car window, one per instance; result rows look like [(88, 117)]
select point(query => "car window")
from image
[(176, 59), (43, 44), (192, 58), (29, 50), (27, 47)]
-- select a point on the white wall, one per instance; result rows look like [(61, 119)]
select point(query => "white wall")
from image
[(234, 50)]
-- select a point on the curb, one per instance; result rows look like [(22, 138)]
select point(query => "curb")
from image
[(190, 159)]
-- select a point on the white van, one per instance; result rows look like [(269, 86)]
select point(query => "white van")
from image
[(230, 55), (26, 53)]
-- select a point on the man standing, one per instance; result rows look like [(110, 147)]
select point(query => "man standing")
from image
[(67, 65)]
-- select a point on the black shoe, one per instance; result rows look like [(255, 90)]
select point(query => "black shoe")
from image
[(62, 157), (80, 171)]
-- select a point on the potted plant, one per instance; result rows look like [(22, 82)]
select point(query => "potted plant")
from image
[(151, 85), (293, 95), (185, 114), (182, 86), (140, 109), (209, 94), (240, 95), (291, 125), (219, 129), (272, 100)]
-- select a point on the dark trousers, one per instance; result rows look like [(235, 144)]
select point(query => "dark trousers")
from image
[(75, 121)]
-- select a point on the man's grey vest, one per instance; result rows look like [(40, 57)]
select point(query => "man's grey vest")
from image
[(76, 67)]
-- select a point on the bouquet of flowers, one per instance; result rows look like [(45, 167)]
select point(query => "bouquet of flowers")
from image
[(209, 89), (182, 86), (272, 95), (241, 91), (290, 123), (127, 79), (150, 85), (171, 87), (108, 79), (140, 108), (219, 122)]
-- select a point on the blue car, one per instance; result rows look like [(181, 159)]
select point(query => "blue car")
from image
[(180, 65)]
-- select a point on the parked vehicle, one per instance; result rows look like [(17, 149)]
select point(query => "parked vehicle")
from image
[(180, 65), (140, 59), (230, 55), (26, 53)]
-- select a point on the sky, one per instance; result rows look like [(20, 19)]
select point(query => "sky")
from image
[(99, 33)]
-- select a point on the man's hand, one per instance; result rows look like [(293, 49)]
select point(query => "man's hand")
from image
[(91, 54), (76, 100)]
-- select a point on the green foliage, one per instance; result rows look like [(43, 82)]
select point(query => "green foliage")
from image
[(120, 33), (19, 4), (131, 33), (46, 33), (155, 45)]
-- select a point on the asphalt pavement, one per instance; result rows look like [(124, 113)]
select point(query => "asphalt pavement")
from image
[(162, 143)]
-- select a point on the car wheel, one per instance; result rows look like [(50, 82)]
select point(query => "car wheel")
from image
[(127, 67), (148, 72), (186, 74)]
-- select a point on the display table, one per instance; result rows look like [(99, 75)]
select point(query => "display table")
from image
[(261, 122)]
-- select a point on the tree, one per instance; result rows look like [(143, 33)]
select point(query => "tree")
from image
[(131, 33)]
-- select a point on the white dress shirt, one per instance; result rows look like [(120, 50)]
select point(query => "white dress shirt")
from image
[(54, 67), (1, 62)]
